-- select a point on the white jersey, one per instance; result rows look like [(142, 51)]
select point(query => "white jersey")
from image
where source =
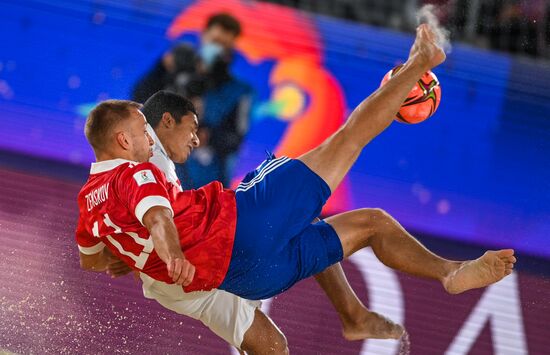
[(161, 160), (226, 314)]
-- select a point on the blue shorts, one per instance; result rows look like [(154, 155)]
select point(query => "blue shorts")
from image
[(276, 244)]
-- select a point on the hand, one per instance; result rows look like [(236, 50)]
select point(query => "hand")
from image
[(117, 268), (425, 51), (180, 270)]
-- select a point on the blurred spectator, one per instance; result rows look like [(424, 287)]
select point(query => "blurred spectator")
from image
[(173, 71), (518, 26), (223, 102), (512, 25)]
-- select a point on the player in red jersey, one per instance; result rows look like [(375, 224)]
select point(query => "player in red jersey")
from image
[(230, 316), (195, 239)]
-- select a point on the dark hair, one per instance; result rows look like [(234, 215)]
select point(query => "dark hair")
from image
[(104, 117), (226, 21), (166, 101)]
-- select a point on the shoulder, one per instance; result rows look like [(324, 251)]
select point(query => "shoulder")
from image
[(141, 173), (130, 167)]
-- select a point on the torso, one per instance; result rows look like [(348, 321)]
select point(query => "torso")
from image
[(205, 219)]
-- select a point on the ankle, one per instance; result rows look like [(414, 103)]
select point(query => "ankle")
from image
[(449, 270), (353, 315)]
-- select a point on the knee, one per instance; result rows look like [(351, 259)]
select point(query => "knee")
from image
[(263, 337), (275, 344), (376, 220), (378, 214), (280, 345)]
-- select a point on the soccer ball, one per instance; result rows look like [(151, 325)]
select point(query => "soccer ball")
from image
[(422, 101)]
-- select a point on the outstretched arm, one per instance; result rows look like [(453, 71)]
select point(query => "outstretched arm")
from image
[(158, 220)]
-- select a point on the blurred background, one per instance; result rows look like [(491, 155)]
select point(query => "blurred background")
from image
[(474, 176)]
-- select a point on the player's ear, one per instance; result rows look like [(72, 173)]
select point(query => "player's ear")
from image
[(167, 120), (122, 140)]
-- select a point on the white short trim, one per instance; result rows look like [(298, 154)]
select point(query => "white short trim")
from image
[(271, 166), (151, 201), (91, 250)]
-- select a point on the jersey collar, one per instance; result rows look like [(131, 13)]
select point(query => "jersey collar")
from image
[(158, 144), (106, 165)]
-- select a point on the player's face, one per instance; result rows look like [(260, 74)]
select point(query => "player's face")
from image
[(182, 138), (141, 142)]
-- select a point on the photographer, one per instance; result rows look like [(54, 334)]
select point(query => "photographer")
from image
[(223, 102), (173, 71)]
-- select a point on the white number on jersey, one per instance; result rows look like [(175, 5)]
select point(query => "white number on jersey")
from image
[(147, 244)]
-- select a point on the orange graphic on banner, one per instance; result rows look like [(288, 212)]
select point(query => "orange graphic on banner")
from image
[(303, 92)]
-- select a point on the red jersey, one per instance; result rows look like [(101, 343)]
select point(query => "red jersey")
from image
[(114, 200)]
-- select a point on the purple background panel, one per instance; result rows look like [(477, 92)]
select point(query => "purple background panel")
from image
[(49, 306)]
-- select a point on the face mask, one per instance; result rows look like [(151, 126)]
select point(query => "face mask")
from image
[(209, 52)]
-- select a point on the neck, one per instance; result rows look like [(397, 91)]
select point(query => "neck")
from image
[(161, 135), (103, 156)]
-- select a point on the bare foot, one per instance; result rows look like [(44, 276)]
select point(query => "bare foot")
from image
[(425, 50), (371, 325), (484, 271)]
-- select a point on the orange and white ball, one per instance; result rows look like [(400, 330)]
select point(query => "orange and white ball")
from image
[(422, 101)]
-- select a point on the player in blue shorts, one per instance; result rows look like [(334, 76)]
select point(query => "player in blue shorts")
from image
[(258, 241), (279, 199)]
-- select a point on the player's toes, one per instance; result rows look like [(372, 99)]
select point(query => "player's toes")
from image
[(507, 272), (398, 331), (505, 253)]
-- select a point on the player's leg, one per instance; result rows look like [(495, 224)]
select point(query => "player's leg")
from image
[(399, 250), (334, 157), (354, 316), (263, 337), (242, 324), (236, 320), (357, 321)]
